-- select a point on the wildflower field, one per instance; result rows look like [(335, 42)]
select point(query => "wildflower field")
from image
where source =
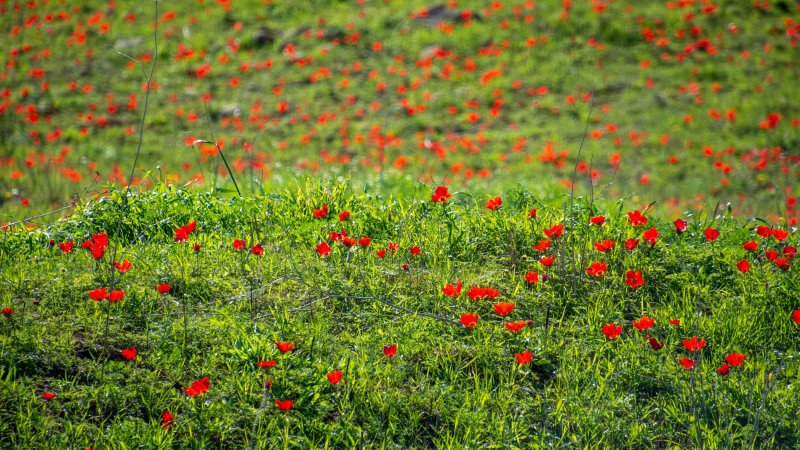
[(374, 224)]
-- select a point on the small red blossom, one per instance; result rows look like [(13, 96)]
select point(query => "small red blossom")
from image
[(503, 308), (7, 312), (494, 203), (124, 266), (612, 331), (524, 357), (98, 294), (636, 218), (605, 246), (284, 346), (514, 327), (674, 321), (198, 387), (597, 269), (735, 359), (414, 250), (687, 363), (452, 291), (390, 350), (440, 194), (167, 419), (115, 296), (335, 377), (597, 220), (164, 288), (479, 293), (321, 213), (284, 405), (381, 253), (763, 231), (532, 213), (469, 320), (750, 246), (651, 236), (631, 244), (66, 247), (543, 245), (532, 277), (48, 395), (724, 369), (711, 234), (634, 279), (554, 231), (781, 263), (655, 344), (257, 250), (680, 225), (267, 364), (743, 266), (239, 244), (344, 215), (547, 261), (796, 316), (364, 241), (645, 323), (695, 344), (323, 249), (129, 353)]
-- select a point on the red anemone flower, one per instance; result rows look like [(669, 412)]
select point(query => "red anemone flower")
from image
[(494, 203), (124, 266), (98, 294), (166, 419), (129, 353), (198, 387), (503, 308), (440, 194), (597, 269), (390, 350), (284, 346), (267, 364), (543, 245), (524, 357), (597, 220), (724, 369), (532, 277), (547, 261), (469, 320), (66, 247), (257, 250), (452, 291), (514, 327), (284, 405), (115, 296), (711, 234), (687, 363), (634, 279), (164, 288), (335, 377), (322, 212), (743, 266), (680, 225), (655, 344), (695, 344), (796, 316), (239, 244), (650, 236), (612, 331), (735, 359), (636, 218), (645, 323), (554, 231), (48, 395), (344, 215), (323, 249)]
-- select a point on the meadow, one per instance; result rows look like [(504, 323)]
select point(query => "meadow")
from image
[(340, 224)]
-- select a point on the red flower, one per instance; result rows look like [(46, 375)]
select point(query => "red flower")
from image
[(164, 288), (631, 244), (414, 250), (680, 225), (770, 255), (532, 277), (182, 233), (323, 249), (469, 320), (645, 323), (344, 215), (554, 231), (393, 246), (284, 405), (763, 231), (440, 194), (687, 363), (724, 369), (124, 266), (654, 343), (390, 350), (524, 357), (364, 241), (239, 244), (167, 419), (711, 234), (494, 203), (796, 316), (267, 364), (381, 253), (597, 269), (66, 247), (322, 212), (789, 252), (543, 245), (257, 249), (650, 236), (452, 291), (115, 296), (98, 294), (634, 279), (612, 331), (335, 377), (597, 220), (779, 234), (48, 395), (743, 266), (694, 344), (636, 218), (196, 248), (782, 263), (547, 261), (503, 308), (284, 346), (532, 213), (750, 246), (479, 293), (605, 246), (129, 353), (735, 359), (515, 326), (7, 312), (198, 387), (674, 321)]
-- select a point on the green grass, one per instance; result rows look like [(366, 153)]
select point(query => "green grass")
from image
[(447, 386)]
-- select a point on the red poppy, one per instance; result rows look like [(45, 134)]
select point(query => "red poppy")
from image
[(440, 194), (335, 377), (66, 247), (554, 231), (650, 236), (129, 353), (645, 323), (631, 244), (655, 344), (394, 246), (381, 253), (636, 218), (750, 246), (166, 419), (452, 291), (782, 263), (390, 350), (198, 387), (348, 241), (7, 312), (735, 359), (680, 225), (239, 244), (494, 203), (322, 212), (479, 293), (771, 255), (323, 249), (789, 252), (164, 288), (612, 331), (597, 269), (469, 320), (543, 245), (503, 308), (695, 344), (763, 231), (532, 213), (115, 296), (515, 326), (344, 215), (724, 369), (711, 234), (674, 321), (524, 357), (532, 277), (284, 346), (182, 233), (414, 250), (257, 249), (267, 364), (284, 405), (48, 395), (605, 246), (98, 294), (547, 261), (796, 316), (364, 241), (743, 266), (687, 363), (634, 279), (597, 220), (779, 234)]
